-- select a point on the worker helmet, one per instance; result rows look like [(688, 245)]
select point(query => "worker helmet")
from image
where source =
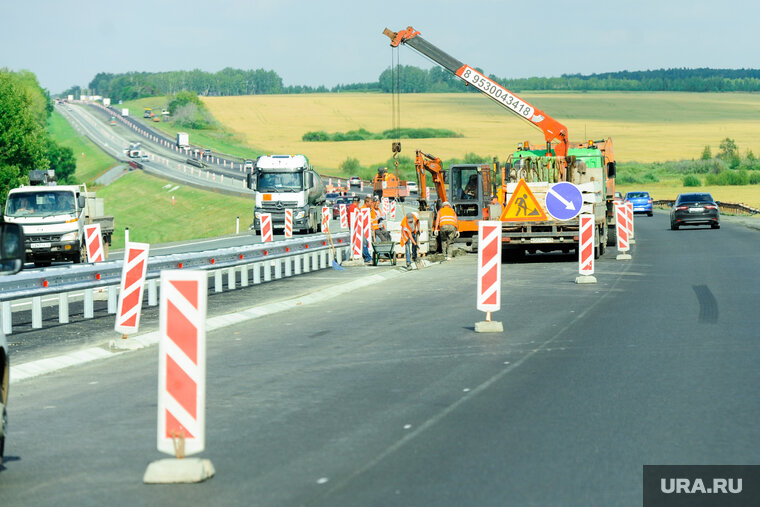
[(446, 203), (410, 217)]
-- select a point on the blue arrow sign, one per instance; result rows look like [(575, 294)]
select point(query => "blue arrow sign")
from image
[(564, 201)]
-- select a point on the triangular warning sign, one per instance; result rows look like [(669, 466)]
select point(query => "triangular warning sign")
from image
[(523, 206)]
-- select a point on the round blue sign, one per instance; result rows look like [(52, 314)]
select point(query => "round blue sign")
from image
[(564, 201)]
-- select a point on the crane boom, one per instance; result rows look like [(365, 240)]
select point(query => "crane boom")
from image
[(552, 129)]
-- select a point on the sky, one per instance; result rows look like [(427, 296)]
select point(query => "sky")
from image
[(330, 42)]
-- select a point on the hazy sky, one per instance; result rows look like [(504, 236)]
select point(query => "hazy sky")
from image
[(331, 42)]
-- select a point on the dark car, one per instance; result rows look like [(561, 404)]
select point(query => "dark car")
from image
[(337, 203), (695, 209), (642, 202)]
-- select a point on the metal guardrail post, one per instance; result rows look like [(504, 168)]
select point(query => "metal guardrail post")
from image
[(37, 312), (152, 292), (267, 271), (7, 317), (63, 308), (244, 275), (231, 279), (277, 268), (218, 281), (297, 264), (256, 273), (113, 292), (88, 304), (288, 266)]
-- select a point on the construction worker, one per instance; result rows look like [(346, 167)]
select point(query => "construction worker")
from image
[(410, 233), (447, 225)]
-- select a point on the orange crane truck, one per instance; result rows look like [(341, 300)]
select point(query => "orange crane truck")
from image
[(482, 191)]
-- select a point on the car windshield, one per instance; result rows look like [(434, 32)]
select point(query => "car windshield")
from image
[(280, 182), (637, 195), (695, 198), (40, 204)]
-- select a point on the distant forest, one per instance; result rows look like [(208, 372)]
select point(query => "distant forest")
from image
[(134, 85)]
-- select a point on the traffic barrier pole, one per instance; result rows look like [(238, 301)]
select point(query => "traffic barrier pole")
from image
[(288, 223), (586, 240), (489, 275), (181, 379), (343, 212), (629, 211), (325, 219), (93, 243), (133, 272), (266, 227), (622, 228), (393, 209)]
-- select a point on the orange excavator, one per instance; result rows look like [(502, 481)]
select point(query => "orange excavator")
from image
[(424, 162)]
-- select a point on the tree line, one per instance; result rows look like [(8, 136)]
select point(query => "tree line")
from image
[(411, 79), (24, 143)]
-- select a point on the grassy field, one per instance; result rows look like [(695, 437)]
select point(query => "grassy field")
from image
[(645, 127), (144, 204), (91, 160)]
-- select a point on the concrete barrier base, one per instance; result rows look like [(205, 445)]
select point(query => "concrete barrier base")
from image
[(623, 257), (492, 326), (175, 471), (585, 279)]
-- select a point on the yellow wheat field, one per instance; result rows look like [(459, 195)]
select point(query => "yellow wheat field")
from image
[(645, 127)]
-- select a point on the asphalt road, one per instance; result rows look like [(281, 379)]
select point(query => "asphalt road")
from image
[(386, 396)]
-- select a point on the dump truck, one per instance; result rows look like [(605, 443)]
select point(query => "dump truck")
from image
[(386, 184), (486, 191), (53, 218)]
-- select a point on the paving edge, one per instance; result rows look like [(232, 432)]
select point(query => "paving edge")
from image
[(117, 346)]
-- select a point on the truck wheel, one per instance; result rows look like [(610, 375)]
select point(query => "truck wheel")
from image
[(611, 236), (80, 257)]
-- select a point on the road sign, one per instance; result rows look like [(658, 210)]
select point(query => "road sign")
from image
[(266, 227), (356, 235), (489, 266), (564, 200), (629, 211), (622, 228), (288, 223), (93, 243), (343, 213), (131, 288), (523, 206), (182, 361), (393, 209), (586, 245)]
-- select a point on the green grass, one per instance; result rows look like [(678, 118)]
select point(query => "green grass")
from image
[(144, 204), (91, 160)]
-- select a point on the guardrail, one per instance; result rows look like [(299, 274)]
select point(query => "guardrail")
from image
[(725, 207), (254, 264)]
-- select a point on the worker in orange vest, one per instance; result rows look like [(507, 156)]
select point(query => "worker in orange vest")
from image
[(447, 225), (410, 233)]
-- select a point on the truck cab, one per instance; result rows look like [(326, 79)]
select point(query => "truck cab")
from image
[(283, 182)]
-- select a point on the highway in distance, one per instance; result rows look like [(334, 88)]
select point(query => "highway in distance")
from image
[(387, 396)]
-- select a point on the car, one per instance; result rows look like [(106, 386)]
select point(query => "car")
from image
[(336, 205), (248, 165), (618, 197), (354, 181), (412, 187), (697, 208), (642, 202), (11, 262), (206, 152), (331, 197)]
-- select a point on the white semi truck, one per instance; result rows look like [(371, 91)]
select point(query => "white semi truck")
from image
[(285, 182), (53, 219)]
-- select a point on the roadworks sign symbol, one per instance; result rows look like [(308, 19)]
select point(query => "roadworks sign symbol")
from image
[(523, 206)]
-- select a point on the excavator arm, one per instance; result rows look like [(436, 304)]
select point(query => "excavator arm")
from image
[(424, 162), (552, 129)]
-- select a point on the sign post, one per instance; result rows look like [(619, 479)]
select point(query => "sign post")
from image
[(131, 288), (181, 379), (489, 275), (288, 223), (629, 211), (266, 227), (94, 243)]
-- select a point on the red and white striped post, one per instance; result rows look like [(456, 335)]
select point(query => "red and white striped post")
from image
[(325, 219), (489, 275), (622, 231), (586, 240), (288, 223), (356, 235), (427, 194), (266, 227), (366, 221), (343, 212), (131, 288), (386, 206), (181, 378), (94, 243), (393, 209), (629, 211)]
